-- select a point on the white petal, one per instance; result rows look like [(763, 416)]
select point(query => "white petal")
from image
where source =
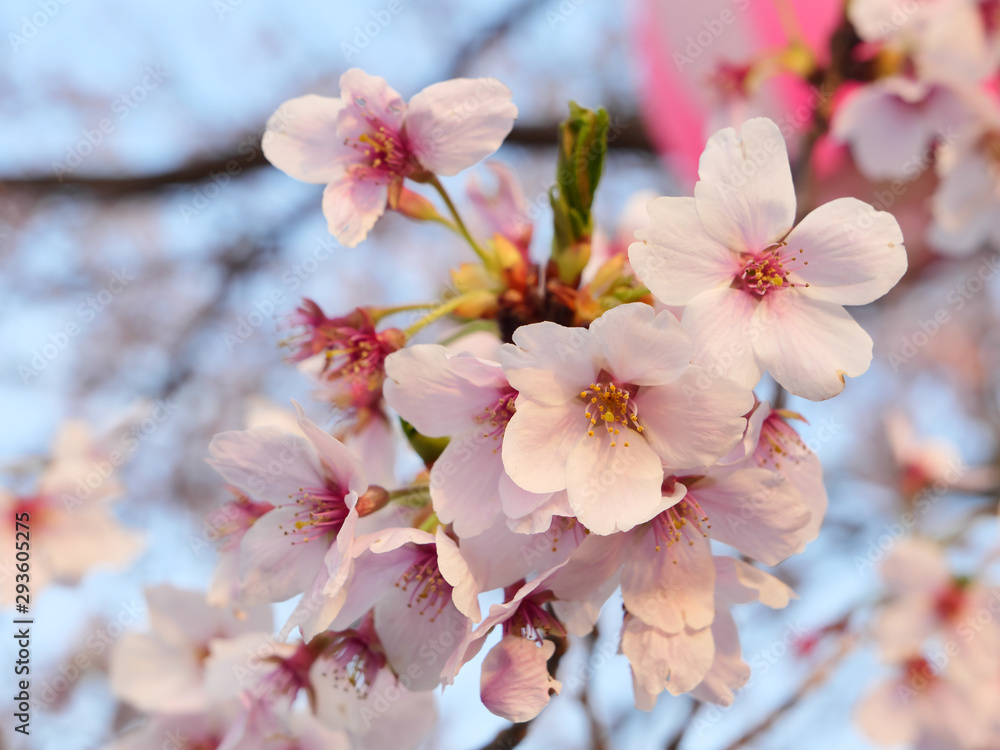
[(808, 345), (614, 488), (729, 672), (695, 420), (640, 346), (267, 463), (438, 391), (745, 195), (538, 442), (855, 253), (301, 139), (737, 582), (352, 206), (345, 467), (660, 661), (454, 124), (719, 324), (551, 363), (675, 257)]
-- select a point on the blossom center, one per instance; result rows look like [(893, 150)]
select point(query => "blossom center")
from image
[(320, 513), (684, 519), (768, 270), (495, 416), (430, 592), (383, 150), (613, 406), (358, 654), (532, 619)]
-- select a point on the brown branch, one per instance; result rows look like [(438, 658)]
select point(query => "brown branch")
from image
[(234, 164)]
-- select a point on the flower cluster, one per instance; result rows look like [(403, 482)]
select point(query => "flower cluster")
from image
[(602, 435)]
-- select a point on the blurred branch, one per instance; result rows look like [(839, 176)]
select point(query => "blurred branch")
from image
[(823, 671), (490, 35), (630, 137)]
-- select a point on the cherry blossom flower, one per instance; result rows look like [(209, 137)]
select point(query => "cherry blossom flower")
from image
[(443, 393), (923, 705), (164, 671), (363, 144), (70, 512), (386, 716), (772, 443), (893, 123), (396, 574), (229, 524), (682, 661), (504, 211), (314, 486), (599, 412), (759, 294), (964, 208), (927, 600)]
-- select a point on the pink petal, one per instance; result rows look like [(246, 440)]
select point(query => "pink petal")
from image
[(855, 253), (675, 257), (345, 467), (551, 363), (439, 391), (745, 197), (886, 717), (695, 420), (465, 483), (352, 206), (515, 682), (368, 98), (454, 124), (614, 488), (809, 345), (719, 323), (676, 663), (729, 672), (301, 139), (640, 346), (757, 511), (275, 566), (267, 463), (737, 582), (671, 587), (538, 442)]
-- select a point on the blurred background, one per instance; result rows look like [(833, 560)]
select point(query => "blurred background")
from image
[(144, 240)]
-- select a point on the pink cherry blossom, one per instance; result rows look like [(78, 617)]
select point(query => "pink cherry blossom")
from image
[(164, 671), (599, 412), (928, 600), (363, 144), (759, 294), (444, 393), (70, 510), (314, 487), (893, 123), (504, 211), (396, 574)]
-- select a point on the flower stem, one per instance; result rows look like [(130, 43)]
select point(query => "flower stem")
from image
[(411, 497), (459, 224), (437, 314), (378, 313)]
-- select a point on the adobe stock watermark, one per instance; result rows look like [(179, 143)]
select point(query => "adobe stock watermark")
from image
[(122, 106), (562, 12), (86, 312), (895, 532), (32, 25), (101, 471), (365, 33), (957, 298), (97, 643), (711, 31), (265, 307)]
